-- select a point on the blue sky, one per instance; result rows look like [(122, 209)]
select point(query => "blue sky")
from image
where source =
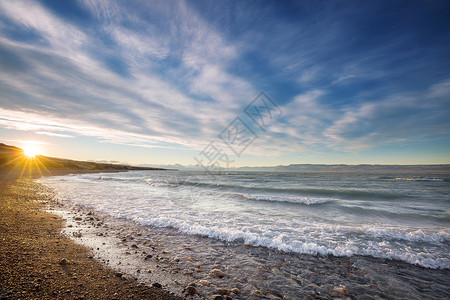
[(157, 81)]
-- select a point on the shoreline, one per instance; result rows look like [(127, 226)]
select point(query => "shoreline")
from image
[(37, 261), (177, 260), (181, 263)]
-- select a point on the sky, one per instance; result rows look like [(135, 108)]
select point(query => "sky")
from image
[(227, 83)]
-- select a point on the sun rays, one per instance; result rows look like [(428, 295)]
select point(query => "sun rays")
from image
[(26, 161)]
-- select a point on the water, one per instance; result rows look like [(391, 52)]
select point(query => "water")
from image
[(400, 217)]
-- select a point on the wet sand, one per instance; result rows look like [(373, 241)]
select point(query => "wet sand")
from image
[(38, 262)]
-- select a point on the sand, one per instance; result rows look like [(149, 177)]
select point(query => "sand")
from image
[(38, 262)]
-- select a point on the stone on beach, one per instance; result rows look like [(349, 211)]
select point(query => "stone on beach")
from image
[(223, 291), (341, 291), (217, 273), (191, 290), (204, 282)]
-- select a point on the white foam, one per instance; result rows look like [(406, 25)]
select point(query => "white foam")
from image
[(290, 199), (420, 179)]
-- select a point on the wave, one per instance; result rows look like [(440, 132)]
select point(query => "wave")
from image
[(431, 179), (161, 183), (298, 200), (309, 246), (336, 193)]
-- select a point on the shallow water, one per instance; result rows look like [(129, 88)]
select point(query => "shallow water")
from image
[(393, 216)]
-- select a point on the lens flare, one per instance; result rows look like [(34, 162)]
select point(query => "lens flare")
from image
[(31, 150)]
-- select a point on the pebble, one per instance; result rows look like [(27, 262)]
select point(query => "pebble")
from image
[(63, 262), (191, 290), (157, 285), (204, 282), (118, 274), (341, 291), (235, 291), (217, 297), (222, 291), (218, 274)]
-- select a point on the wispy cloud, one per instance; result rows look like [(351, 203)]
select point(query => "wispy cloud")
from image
[(173, 75)]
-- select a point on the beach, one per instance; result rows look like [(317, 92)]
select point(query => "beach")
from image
[(38, 262), (188, 265)]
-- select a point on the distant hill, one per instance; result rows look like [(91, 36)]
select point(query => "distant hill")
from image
[(367, 168), (13, 158), (364, 168)]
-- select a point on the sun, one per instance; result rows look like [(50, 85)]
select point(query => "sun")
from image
[(31, 150)]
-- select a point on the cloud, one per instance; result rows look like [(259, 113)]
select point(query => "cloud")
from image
[(174, 75), (54, 134), (87, 97), (312, 121)]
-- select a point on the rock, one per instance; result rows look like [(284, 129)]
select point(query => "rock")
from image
[(217, 297), (197, 270), (90, 213), (219, 267), (340, 290), (216, 273), (63, 262), (204, 282), (191, 290), (276, 293), (148, 256), (235, 291), (257, 293), (118, 274), (157, 285), (78, 219), (149, 271), (134, 246), (222, 291)]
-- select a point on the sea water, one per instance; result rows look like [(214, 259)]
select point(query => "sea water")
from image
[(401, 216)]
